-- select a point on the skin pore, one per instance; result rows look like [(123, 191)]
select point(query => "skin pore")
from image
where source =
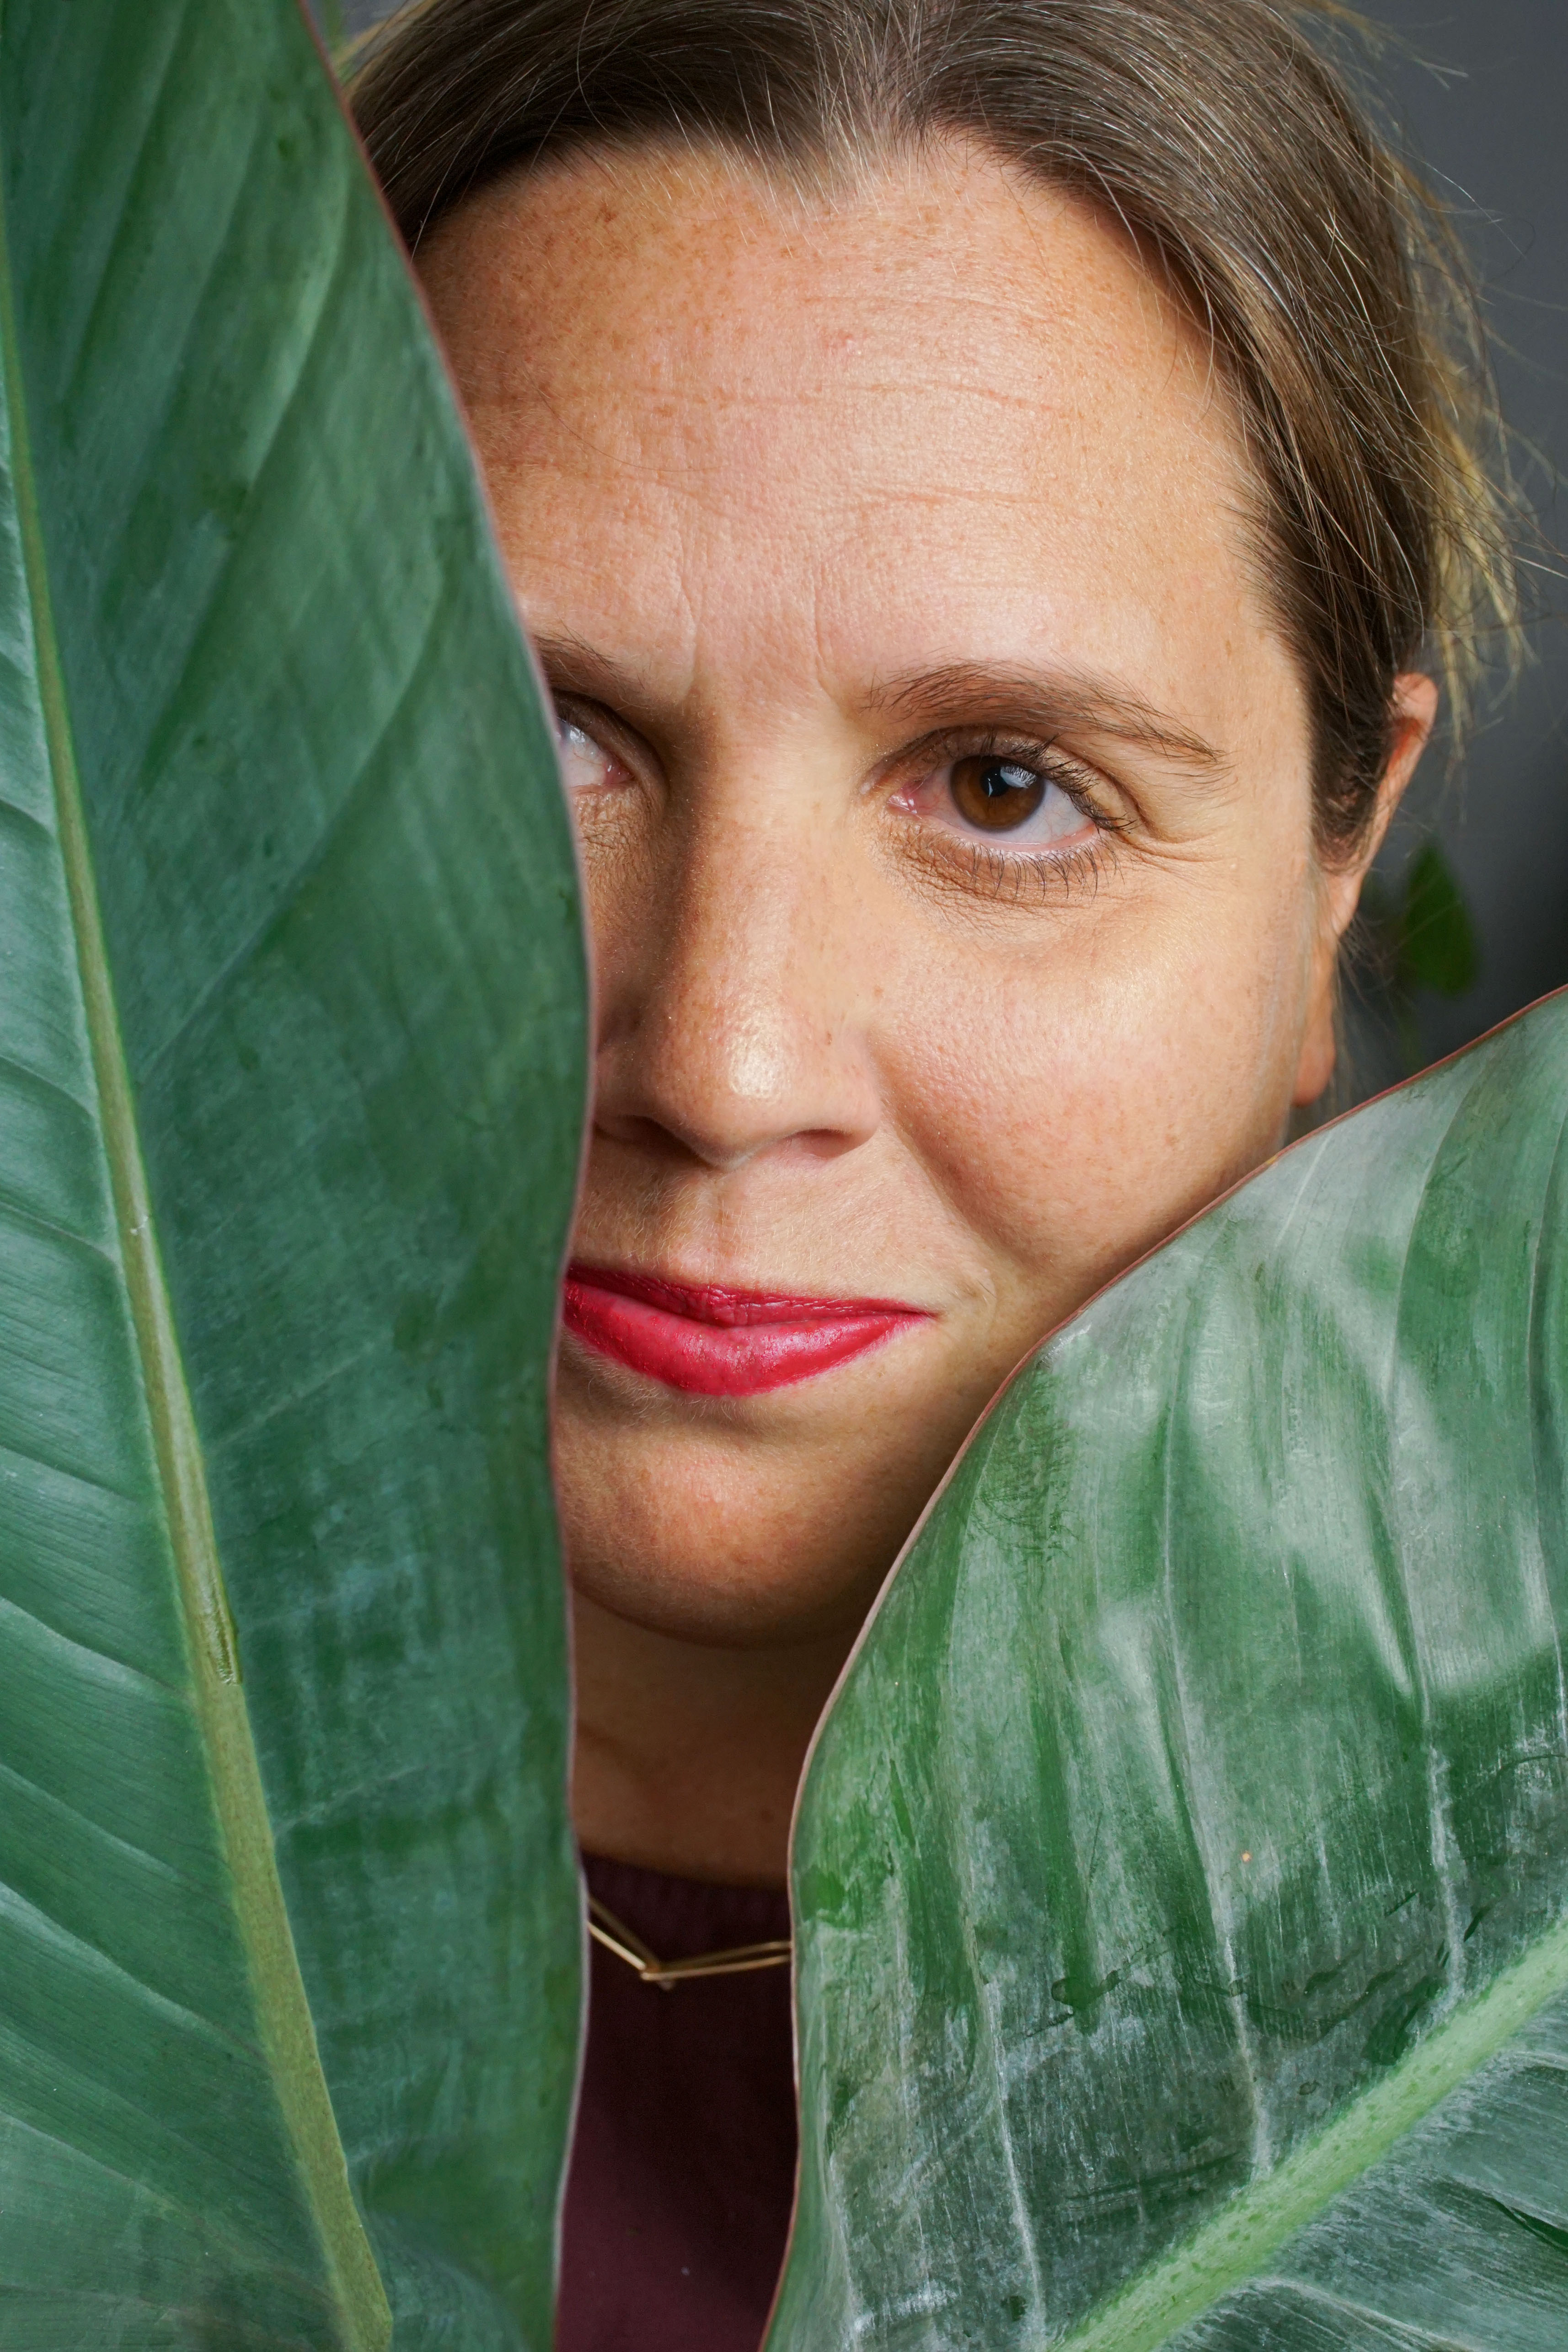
[(942, 784)]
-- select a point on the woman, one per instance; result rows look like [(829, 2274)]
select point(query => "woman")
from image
[(983, 479)]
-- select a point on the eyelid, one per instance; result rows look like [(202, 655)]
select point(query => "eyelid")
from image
[(577, 710), (1085, 785), (618, 741)]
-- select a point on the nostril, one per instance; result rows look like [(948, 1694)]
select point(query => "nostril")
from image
[(652, 1138), (824, 1142), (656, 1139)]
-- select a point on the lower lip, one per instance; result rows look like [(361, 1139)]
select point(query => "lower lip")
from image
[(727, 1343)]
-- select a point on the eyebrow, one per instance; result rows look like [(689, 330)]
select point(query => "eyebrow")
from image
[(1047, 703), (591, 673), (1043, 702)]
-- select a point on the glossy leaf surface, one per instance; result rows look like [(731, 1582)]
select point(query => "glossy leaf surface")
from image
[(291, 1067), (1183, 1868)]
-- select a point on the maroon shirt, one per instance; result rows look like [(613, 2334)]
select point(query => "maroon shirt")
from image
[(682, 2169)]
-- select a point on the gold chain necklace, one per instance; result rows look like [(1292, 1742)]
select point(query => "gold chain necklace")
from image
[(616, 1937)]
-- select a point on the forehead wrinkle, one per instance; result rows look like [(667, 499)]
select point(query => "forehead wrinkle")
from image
[(749, 471)]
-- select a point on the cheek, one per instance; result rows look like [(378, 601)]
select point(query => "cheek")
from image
[(1074, 1111)]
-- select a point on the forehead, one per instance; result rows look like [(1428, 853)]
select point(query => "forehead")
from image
[(935, 413)]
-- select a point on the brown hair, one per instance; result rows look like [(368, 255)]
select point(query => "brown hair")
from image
[(1233, 150)]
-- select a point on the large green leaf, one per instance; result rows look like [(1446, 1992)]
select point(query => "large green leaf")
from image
[(1182, 1871), (291, 1065)]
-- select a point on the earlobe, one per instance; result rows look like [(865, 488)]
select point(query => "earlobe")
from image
[(1320, 1047)]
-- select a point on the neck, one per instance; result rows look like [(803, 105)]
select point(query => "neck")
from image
[(688, 1755)]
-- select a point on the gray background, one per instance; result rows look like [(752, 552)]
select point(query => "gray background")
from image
[(1481, 89), (1484, 99)]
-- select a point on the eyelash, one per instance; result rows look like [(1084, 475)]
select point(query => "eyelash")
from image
[(1013, 878), (1015, 874)]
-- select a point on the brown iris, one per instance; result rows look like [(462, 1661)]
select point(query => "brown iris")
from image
[(996, 795)]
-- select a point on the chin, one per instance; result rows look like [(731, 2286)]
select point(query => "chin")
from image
[(708, 1541)]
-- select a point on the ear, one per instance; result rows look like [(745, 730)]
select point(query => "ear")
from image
[(1415, 709)]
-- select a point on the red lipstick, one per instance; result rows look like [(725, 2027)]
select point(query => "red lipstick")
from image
[(715, 1342)]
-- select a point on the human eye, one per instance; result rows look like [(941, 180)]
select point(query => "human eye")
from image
[(1005, 798), (1023, 801), (586, 765)]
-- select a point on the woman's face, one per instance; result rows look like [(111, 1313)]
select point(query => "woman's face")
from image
[(944, 792)]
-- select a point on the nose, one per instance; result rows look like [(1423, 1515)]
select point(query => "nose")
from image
[(731, 996)]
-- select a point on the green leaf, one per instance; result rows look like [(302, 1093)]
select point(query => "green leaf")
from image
[(1182, 1870), (1438, 942), (291, 1070)]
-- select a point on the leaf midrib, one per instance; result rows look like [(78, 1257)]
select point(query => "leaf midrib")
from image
[(282, 2011), (1229, 2250)]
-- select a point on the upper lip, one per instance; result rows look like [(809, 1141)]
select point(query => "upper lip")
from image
[(727, 1306)]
